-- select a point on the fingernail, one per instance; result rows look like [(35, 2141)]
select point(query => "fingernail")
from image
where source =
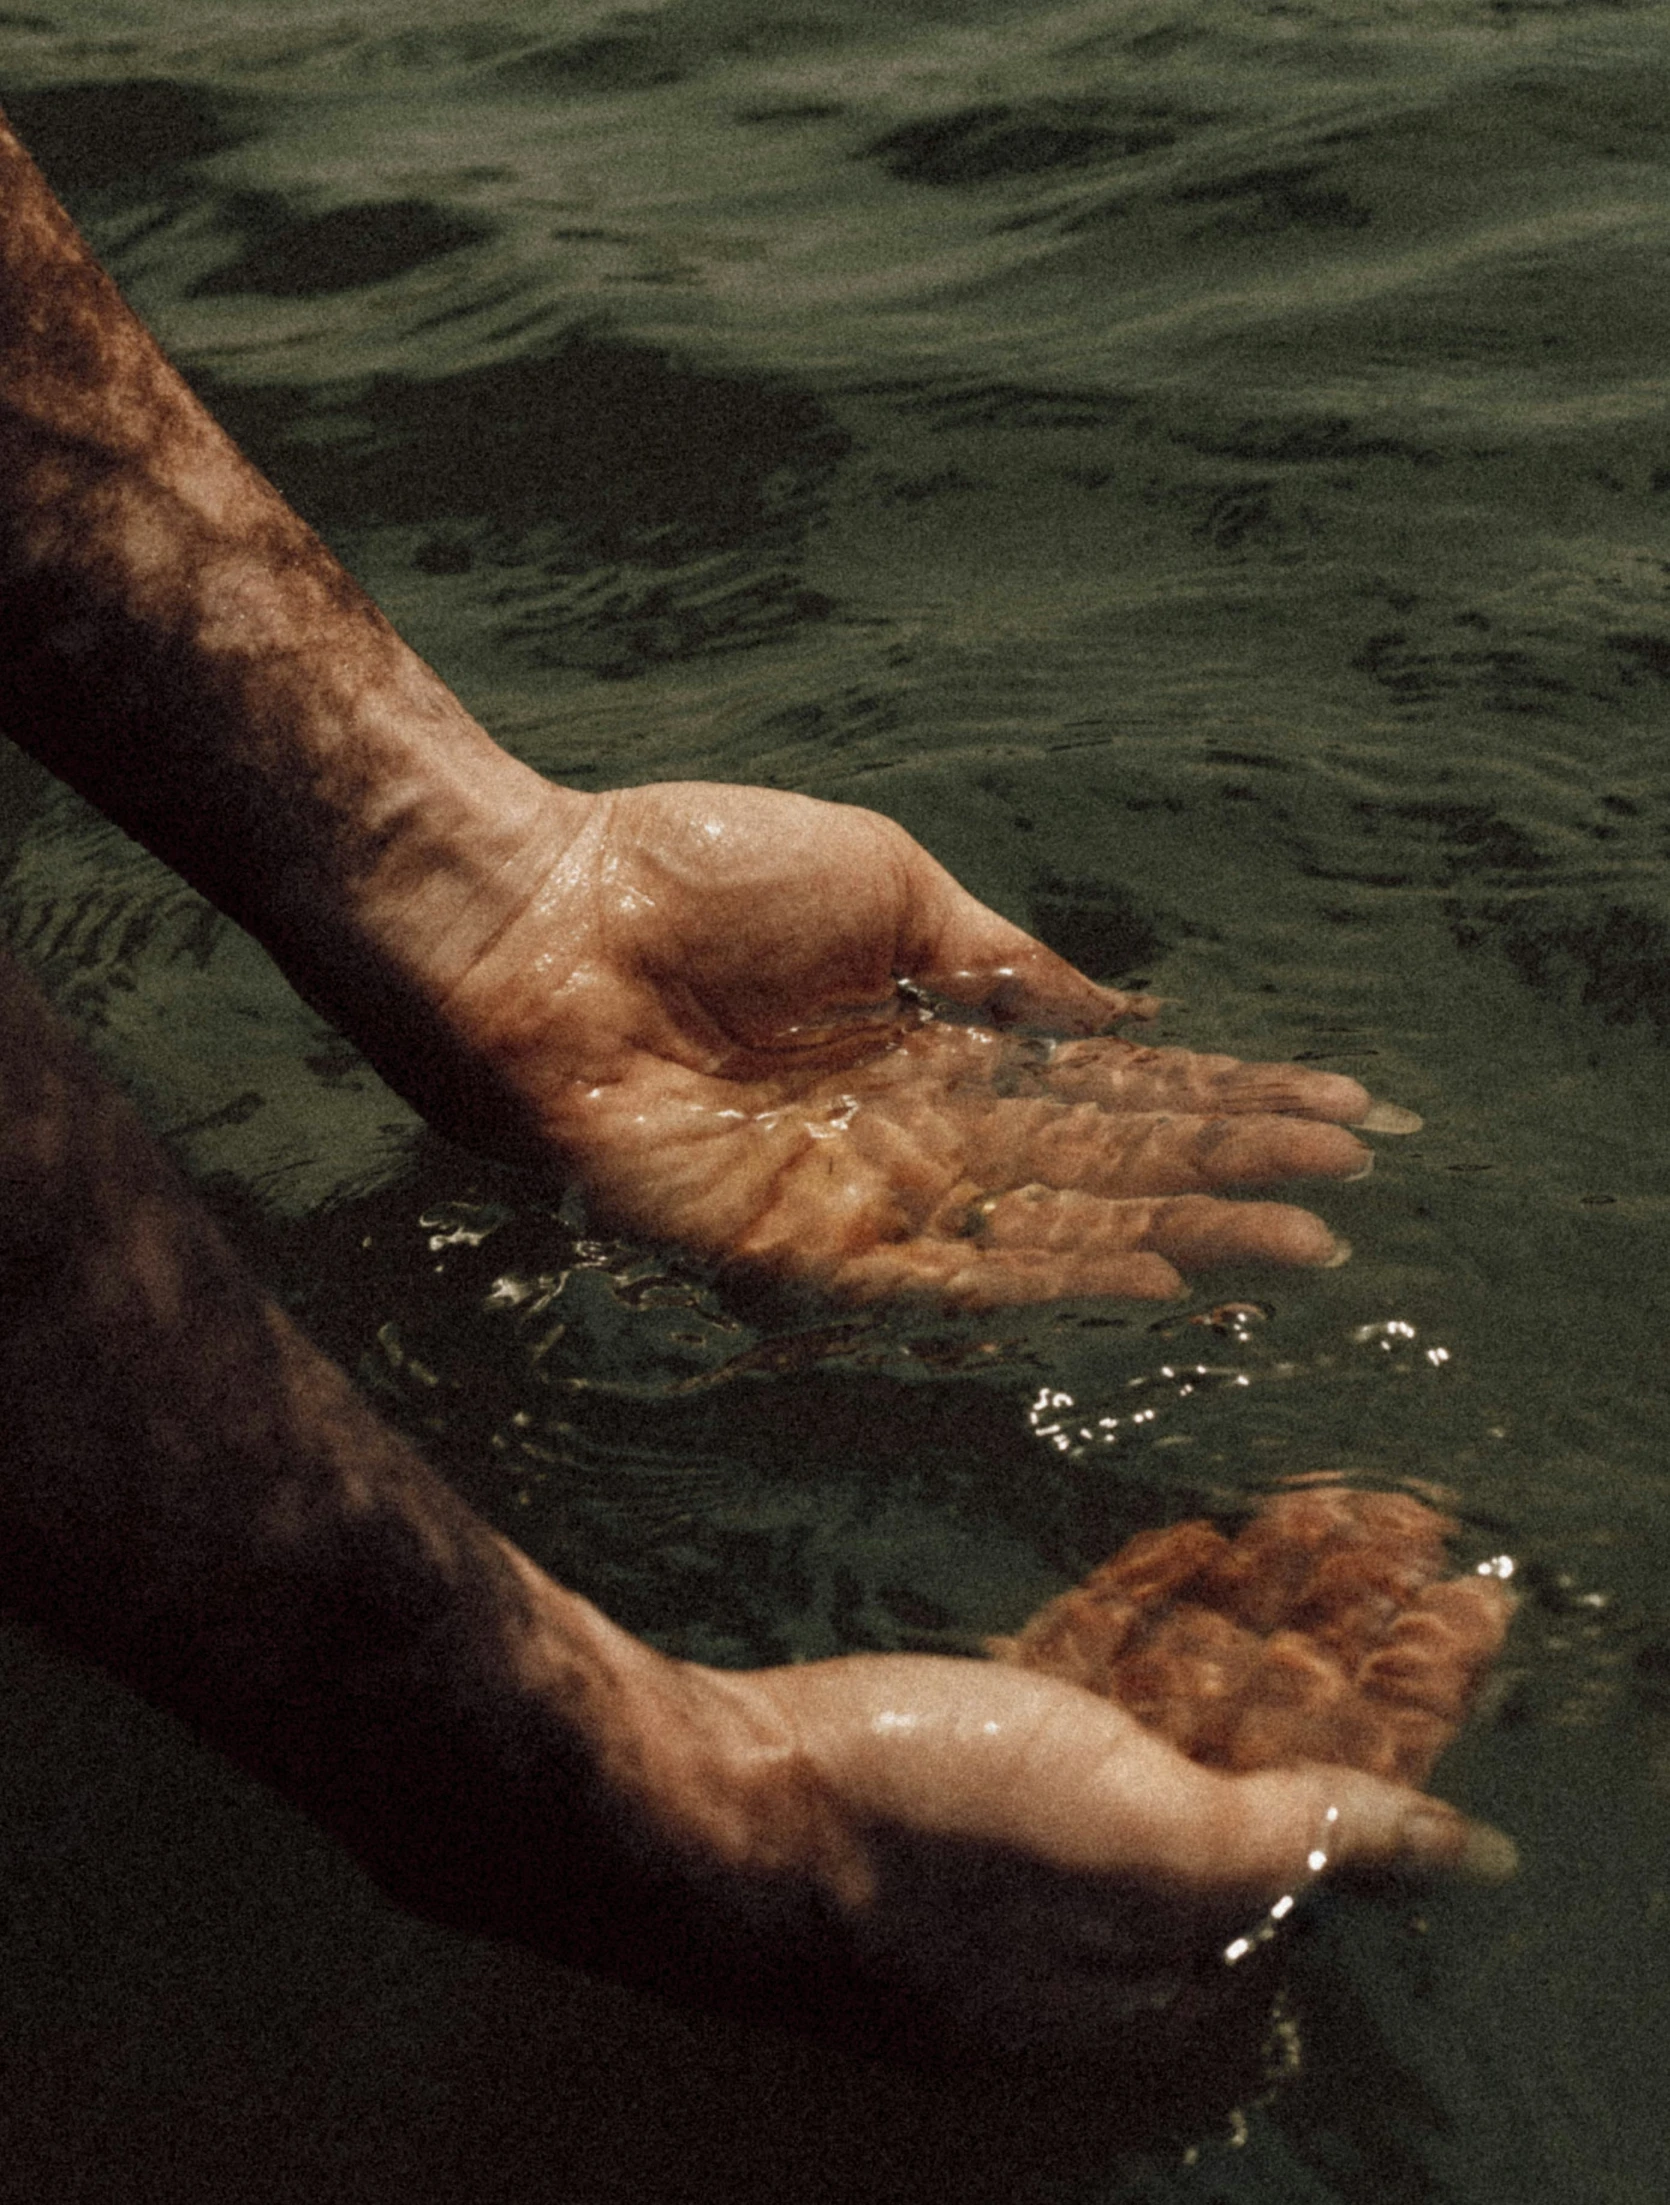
[(1385, 1117), (1362, 1171), (1463, 1851), (1341, 1254)]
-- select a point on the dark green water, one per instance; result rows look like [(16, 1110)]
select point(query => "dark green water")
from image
[(1205, 469)]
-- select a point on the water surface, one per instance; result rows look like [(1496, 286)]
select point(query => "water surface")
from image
[(1206, 470)]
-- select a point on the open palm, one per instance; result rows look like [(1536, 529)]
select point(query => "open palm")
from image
[(778, 1033)]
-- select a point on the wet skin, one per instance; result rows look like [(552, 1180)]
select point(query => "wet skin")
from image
[(904, 1851), (1327, 1629), (707, 1006), (777, 1032)]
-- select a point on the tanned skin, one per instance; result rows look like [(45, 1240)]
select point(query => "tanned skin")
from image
[(673, 995), (704, 1004), (919, 1850)]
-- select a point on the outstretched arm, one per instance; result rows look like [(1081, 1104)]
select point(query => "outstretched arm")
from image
[(770, 1029), (182, 649), (931, 1854)]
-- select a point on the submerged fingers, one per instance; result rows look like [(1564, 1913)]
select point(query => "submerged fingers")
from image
[(1189, 1231), (981, 1170), (1155, 1152), (1122, 1075), (926, 1188), (965, 1275), (1042, 1243)]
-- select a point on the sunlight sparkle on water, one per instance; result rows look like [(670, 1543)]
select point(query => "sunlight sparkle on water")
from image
[(1050, 1418), (1389, 1335), (1315, 1860)]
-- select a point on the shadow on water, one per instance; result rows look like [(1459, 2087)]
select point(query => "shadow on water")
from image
[(979, 145), (125, 140), (289, 256), (1098, 926), (629, 452), (613, 508)]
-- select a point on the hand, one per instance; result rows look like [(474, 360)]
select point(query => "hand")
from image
[(1006, 1864), (721, 1010), (710, 1006), (943, 1854)]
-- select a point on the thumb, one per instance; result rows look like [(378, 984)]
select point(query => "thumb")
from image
[(954, 946), (1281, 1827)]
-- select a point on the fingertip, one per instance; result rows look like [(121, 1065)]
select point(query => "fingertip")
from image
[(1148, 1278), (1375, 1829), (1319, 1151), (1490, 1856), (1385, 1117), (1438, 1842), (1333, 1096), (1312, 1243), (1195, 1231)]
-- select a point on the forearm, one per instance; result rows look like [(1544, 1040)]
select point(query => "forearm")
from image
[(938, 1857), (194, 1497), (179, 646)]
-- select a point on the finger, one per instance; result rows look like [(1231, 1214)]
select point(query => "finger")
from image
[(1189, 1231), (962, 1274), (1280, 1828), (1043, 1243), (1125, 1153), (1121, 1075), (1045, 1772), (954, 946)]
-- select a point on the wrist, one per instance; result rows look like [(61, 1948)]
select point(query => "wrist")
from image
[(702, 1783), (379, 921), (669, 1835)]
